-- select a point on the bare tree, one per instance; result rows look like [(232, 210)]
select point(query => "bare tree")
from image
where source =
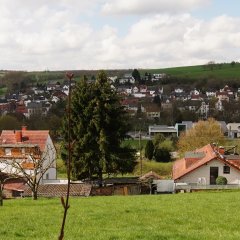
[(4, 178), (32, 166)]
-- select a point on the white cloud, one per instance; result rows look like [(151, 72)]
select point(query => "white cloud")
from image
[(151, 6), (183, 40), (42, 35)]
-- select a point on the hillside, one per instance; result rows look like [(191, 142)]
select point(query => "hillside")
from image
[(225, 71), (218, 71)]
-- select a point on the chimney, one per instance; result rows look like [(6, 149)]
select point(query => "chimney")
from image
[(24, 128), (18, 135), (221, 150)]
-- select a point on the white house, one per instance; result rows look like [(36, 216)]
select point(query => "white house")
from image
[(158, 76), (204, 109), (233, 130), (219, 105), (22, 145), (204, 165)]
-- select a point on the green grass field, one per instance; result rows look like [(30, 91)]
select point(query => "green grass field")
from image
[(206, 215), (198, 72)]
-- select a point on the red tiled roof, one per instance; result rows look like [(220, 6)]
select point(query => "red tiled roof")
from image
[(150, 175), (15, 186), (180, 168), (38, 137), (184, 166)]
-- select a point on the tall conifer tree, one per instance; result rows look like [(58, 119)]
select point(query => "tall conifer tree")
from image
[(98, 126)]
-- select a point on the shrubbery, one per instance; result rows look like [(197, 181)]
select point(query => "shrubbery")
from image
[(221, 180)]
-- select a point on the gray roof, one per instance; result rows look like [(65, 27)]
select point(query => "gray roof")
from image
[(59, 190), (195, 155)]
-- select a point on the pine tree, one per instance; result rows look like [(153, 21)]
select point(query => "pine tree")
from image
[(98, 126)]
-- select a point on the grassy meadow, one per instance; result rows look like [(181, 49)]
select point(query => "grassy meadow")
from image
[(199, 72), (205, 215)]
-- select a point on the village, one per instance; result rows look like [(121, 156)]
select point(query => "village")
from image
[(29, 154)]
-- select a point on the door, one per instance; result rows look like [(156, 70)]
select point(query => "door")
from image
[(213, 175)]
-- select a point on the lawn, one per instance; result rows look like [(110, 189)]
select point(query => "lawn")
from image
[(206, 215)]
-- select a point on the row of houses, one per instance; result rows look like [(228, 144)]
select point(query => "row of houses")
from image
[(38, 101), (198, 169), (23, 146), (142, 98), (224, 94), (127, 78)]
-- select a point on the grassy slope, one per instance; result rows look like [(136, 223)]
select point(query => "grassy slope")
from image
[(180, 216), (198, 72)]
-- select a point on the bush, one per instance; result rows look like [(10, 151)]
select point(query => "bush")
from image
[(162, 155), (221, 180)]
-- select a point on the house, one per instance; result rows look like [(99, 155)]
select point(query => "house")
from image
[(233, 130), (143, 88), (37, 108), (210, 94), (113, 79), (13, 187), (167, 105), (204, 165), (222, 96), (158, 76), (219, 106), (129, 90), (5, 106), (127, 78), (135, 89), (203, 109), (163, 129), (152, 110), (25, 145), (131, 104)]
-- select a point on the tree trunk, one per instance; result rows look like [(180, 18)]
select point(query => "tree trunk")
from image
[(34, 195), (100, 178), (1, 194)]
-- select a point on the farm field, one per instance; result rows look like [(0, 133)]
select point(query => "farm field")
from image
[(205, 215)]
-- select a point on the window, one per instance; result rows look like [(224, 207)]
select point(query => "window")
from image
[(23, 151), (226, 169), (8, 152), (47, 176)]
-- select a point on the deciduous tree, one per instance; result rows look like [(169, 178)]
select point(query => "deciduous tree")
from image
[(202, 133), (32, 167)]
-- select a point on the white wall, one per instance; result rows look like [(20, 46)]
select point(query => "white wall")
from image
[(50, 157), (204, 171)]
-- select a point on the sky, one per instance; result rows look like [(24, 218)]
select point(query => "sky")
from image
[(117, 34)]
